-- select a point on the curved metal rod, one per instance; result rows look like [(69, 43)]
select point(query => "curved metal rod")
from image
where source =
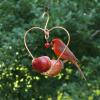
[(60, 27), (45, 13), (25, 39)]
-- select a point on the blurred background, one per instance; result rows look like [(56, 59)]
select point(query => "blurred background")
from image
[(18, 81)]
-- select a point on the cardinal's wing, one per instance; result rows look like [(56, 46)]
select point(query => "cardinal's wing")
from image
[(68, 54)]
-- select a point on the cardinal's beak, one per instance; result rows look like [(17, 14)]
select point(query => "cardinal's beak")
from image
[(51, 44), (52, 48)]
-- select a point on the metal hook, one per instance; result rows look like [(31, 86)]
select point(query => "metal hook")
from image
[(46, 32), (46, 13)]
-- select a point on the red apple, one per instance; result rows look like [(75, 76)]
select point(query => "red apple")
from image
[(55, 68), (41, 64)]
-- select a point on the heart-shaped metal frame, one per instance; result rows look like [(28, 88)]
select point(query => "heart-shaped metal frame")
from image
[(46, 33)]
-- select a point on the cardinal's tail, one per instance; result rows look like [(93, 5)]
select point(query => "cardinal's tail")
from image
[(80, 70)]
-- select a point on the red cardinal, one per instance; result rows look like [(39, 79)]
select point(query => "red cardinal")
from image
[(58, 47)]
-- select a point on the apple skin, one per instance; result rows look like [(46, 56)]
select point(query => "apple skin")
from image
[(47, 45), (55, 69), (41, 64)]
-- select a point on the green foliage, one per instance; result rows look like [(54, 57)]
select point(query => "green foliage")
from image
[(17, 79)]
